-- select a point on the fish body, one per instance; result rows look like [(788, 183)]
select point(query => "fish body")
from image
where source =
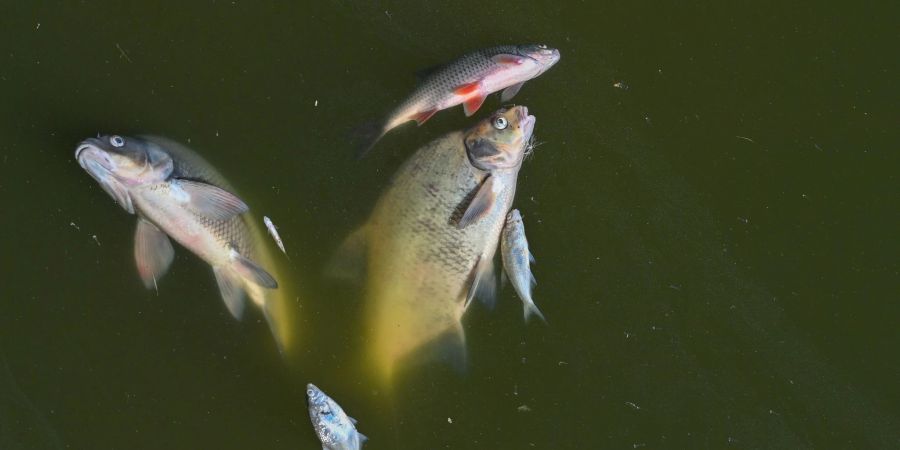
[(430, 242), (273, 231), (517, 261), (335, 429), (468, 81), (176, 194)]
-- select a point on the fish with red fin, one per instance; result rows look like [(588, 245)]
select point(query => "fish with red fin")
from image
[(468, 81)]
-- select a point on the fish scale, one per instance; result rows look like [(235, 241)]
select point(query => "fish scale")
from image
[(442, 257), (188, 165)]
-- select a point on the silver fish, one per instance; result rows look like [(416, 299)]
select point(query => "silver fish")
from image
[(429, 245), (335, 429), (467, 81), (517, 261), (273, 231), (177, 194)]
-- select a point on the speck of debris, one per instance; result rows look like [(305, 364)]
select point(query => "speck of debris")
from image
[(621, 85), (449, 420), (633, 406), (523, 409)]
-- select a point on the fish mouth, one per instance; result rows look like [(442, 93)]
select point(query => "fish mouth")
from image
[(87, 144), (95, 161), (526, 122)]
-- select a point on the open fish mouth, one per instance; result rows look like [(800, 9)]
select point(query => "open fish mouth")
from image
[(97, 164), (527, 123)]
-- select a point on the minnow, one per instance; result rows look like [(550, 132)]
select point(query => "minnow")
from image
[(468, 81), (335, 429), (273, 231), (517, 261)]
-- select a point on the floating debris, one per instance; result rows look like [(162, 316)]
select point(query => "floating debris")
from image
[(633, 406), (621, 85), (523, 409)]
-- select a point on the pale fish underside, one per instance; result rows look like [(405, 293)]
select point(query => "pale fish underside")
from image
[(278, 305)]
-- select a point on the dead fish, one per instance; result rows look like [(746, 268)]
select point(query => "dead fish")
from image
[(335, 429), (176, 194), (273, 231), (467, 81), (517, 261), (429, 245)]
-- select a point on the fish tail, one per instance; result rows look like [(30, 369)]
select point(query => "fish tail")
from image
[(532, 310), (366, 136)]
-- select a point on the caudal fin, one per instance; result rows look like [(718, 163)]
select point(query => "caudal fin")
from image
[(532, 310), (366, 136)]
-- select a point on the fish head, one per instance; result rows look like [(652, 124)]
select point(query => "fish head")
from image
[(328, 418), (500, 141), (514, 217), (120, 163), (545, 56)]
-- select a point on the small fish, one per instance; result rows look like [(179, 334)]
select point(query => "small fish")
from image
[(273, 231), (176, 194), (517, 261), (335, 428), (467, 81)]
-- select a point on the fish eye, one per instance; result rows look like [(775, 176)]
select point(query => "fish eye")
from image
[(117, 141), (501, 123)]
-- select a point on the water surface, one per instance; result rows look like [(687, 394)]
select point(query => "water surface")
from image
[(716, 245)]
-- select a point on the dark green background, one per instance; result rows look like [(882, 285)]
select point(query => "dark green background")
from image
[(717, 245)]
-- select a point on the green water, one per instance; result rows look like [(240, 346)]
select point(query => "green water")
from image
[(717, 245)]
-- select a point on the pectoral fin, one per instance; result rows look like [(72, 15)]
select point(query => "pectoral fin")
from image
[(484, 283), (349, 261), (153, 252), (511, 92), (232, 290), (208, 200), (482, 202)]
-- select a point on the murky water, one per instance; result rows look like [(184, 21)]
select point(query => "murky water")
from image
[(716, 244)]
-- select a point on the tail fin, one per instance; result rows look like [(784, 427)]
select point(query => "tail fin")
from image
[(366, 136), (532, 310)]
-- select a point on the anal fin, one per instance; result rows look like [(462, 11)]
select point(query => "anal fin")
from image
[(423, 116), (251, 271)]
